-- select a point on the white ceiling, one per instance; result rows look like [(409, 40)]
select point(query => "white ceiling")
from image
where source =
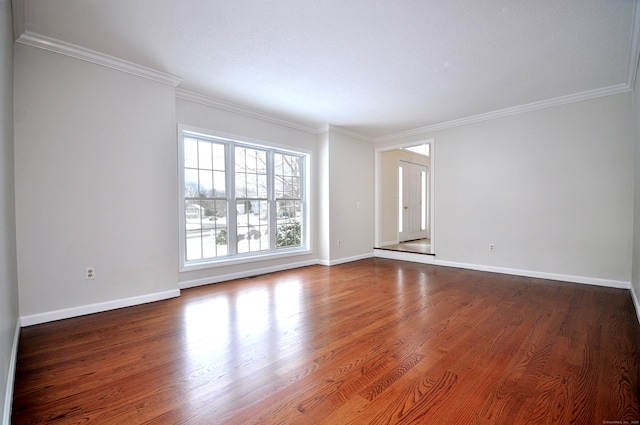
[(370, 67)]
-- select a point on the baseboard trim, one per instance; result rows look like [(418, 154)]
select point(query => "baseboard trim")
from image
[(636, 302), (36, 319), (540, 275), (405, 256), (11, 376), (243, 274), (51, 316), (344, 260), (67, 313)]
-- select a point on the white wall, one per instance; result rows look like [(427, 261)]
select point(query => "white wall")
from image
[(8, 271), (324, 200), (351, 197), (217, 120), (96, 184), (635, 282), (552, 189)]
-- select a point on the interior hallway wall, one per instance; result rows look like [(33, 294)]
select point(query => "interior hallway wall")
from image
[(635, 282), (350, 172), (551, 188), (8, 262)]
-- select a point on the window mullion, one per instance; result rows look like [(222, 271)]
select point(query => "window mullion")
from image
[(302, 199), (271, 191), (232, 219)]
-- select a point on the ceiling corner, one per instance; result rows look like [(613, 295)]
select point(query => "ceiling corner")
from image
[(242, 110), (17, 10), (71, 50), (634, 55), (344, 132)]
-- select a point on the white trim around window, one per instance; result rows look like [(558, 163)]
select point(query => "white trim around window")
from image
[(236, 210)]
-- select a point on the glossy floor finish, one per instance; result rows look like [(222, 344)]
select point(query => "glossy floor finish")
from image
[(420, 246), (375, 341)]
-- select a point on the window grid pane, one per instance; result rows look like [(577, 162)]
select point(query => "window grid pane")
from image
[(252, 225), (288, 226), (288, 193), (287, 177), (251, 173), (190, 153), (206, 234), (205, 158), (205, 204)]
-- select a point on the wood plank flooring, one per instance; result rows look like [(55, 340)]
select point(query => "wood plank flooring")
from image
[(375, 341)]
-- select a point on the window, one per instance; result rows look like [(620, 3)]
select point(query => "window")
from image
[(288, 195), (240, 200)]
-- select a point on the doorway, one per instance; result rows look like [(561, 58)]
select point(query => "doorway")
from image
[(404, 197), (412, 202)]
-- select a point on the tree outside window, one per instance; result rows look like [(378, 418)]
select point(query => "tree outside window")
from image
[(240, 199)]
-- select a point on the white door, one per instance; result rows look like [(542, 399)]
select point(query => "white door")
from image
[(412, 201)]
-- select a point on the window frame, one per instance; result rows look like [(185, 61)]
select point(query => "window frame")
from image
[(232, 141)]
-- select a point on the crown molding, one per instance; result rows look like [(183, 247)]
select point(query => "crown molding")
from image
[(557, 101), (35, 40), (344, 132), (634, 61), (68, 49), (230, 107)]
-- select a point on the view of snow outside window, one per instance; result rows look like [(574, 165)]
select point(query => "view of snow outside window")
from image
[(207, 201), (288, 194), (252, 208), (205, 196)]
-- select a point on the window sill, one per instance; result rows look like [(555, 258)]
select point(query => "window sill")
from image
[(243, 259)]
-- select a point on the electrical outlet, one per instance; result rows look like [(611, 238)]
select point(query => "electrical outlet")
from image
[(492, 247), (89, 273)]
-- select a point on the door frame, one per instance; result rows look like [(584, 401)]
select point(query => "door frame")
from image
[(423, 194), (378, 187)]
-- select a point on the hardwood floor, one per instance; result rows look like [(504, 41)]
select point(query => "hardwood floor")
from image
[(419, 246), (375, 341)]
